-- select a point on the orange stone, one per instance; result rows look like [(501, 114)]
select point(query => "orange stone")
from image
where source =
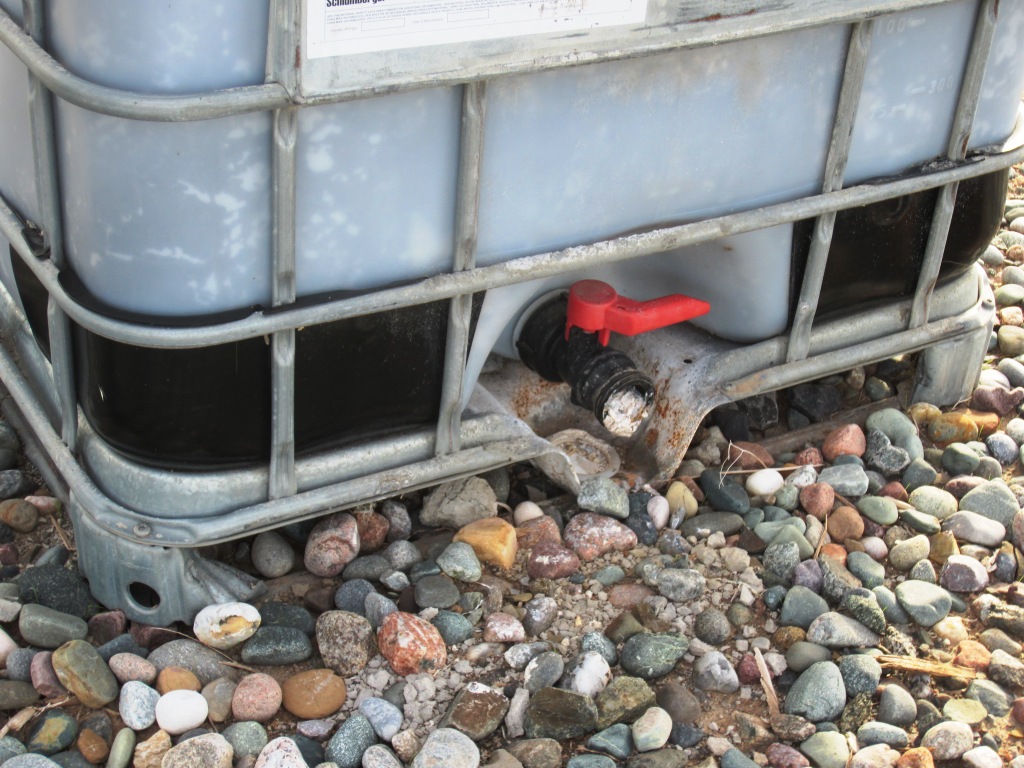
[(410, 644), (92, 746), (918, 757), (817, 499), (177, 679), (314, 694), (847, 440), (973, 655), (493, 540), (810, 456), (836, 552), (373, 530)]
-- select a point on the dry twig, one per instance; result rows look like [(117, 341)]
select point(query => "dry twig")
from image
[(766, 684), (927, 667)]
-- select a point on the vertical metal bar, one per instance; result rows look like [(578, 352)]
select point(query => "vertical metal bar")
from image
[(449, 423), (835, 170), (959, 138), (44, 156), (281, 66)]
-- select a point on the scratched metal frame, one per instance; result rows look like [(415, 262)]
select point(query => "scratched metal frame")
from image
[(293, 83)]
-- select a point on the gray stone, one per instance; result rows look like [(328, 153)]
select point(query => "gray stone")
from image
[(918, 474), (875, 732), (882, 455), (891, 608), (650, 656), (353, 737), (959, 459), (543, 671), (992, 500), (402, 554), (803, 654), (616, 741), (137, 705), (459, 561), (205, 663), (602, 495), (861, 674), (277, 646), (896, 706), (1002, 448), (723, 493), (712, 627), (961, 573), (801, 607), (833, 630), (559, 714), (436, 592), (46, 628), (826, 749), (996, 701), (923, 570), (713, 672), (878, 509), (727, 523), (818, 694), (779, 561), (384, 717), (247, 738), (847, 480), (974, 528), (455, 628), (681, 585), (925, 603), (905, 554), (933, 501), (920, 521), (870, 572)]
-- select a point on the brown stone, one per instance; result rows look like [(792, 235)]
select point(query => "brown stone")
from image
[(150, 753), (918, 757), (410, 644), (845, 523), (973, 655), (501, 628), (961, 427), (590, 535), (539, 529), (623, 700), (93, 747), (551, 561), (536, 753), (747, 455), (785, 756), (313, 694), (785, 637), (1017, 711), (817, 499), (894, 490), (19, 515), (177, 679), (629, 595), (623, 627), (477, 711), (493, 540), (943, 546), (373, 530), (847, 440)]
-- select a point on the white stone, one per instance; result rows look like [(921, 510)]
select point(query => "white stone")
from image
[(735, 559), (658, 510), (764, 482), (516, 715), (9, 610), (982, 757), (875, 548), (875, 756), (6, 646), (226, 625), (651, 730), (526, 510), (803, 476), (280, 753), (718, 745), (591, 674), (180, 711), (951, 629)]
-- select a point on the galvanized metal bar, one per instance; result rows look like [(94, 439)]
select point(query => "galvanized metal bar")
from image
[(281, 481), (273, 95), (518, 270), (835, 170), (44, 155), (467, 212), (959, 139)]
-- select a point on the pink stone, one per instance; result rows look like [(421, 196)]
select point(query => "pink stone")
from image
[(894, 490), (127, 667), (257, 697), (746, 455), (44, 679), (629, 595), (536, 530), (817, 499), (502, 628), (996, 399), (810, 456), (785, 756), (410, 644), (332, 544), (8, 554), (747, 670), (373, 530), (847, 440), (104, 627), (590, 535), (551, 561), (150, 637)]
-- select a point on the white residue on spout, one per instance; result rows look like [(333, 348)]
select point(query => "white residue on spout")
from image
[(624, 412)]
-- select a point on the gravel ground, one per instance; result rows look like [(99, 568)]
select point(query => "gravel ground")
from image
[(831, 580)]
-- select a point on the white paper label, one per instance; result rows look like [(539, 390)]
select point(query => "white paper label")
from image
[(339, 27)]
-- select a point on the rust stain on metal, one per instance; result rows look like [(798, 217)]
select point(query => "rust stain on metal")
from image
[(720, 16)]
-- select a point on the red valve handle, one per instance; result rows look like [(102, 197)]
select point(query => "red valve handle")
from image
[(595, 307)]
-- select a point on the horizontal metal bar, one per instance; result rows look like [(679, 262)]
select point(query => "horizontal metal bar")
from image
[(131, 105), (272, 95), (519, 270)]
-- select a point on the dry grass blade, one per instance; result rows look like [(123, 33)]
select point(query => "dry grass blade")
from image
[(64, 538), (925, 666), (821, 538), (766, 684)]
